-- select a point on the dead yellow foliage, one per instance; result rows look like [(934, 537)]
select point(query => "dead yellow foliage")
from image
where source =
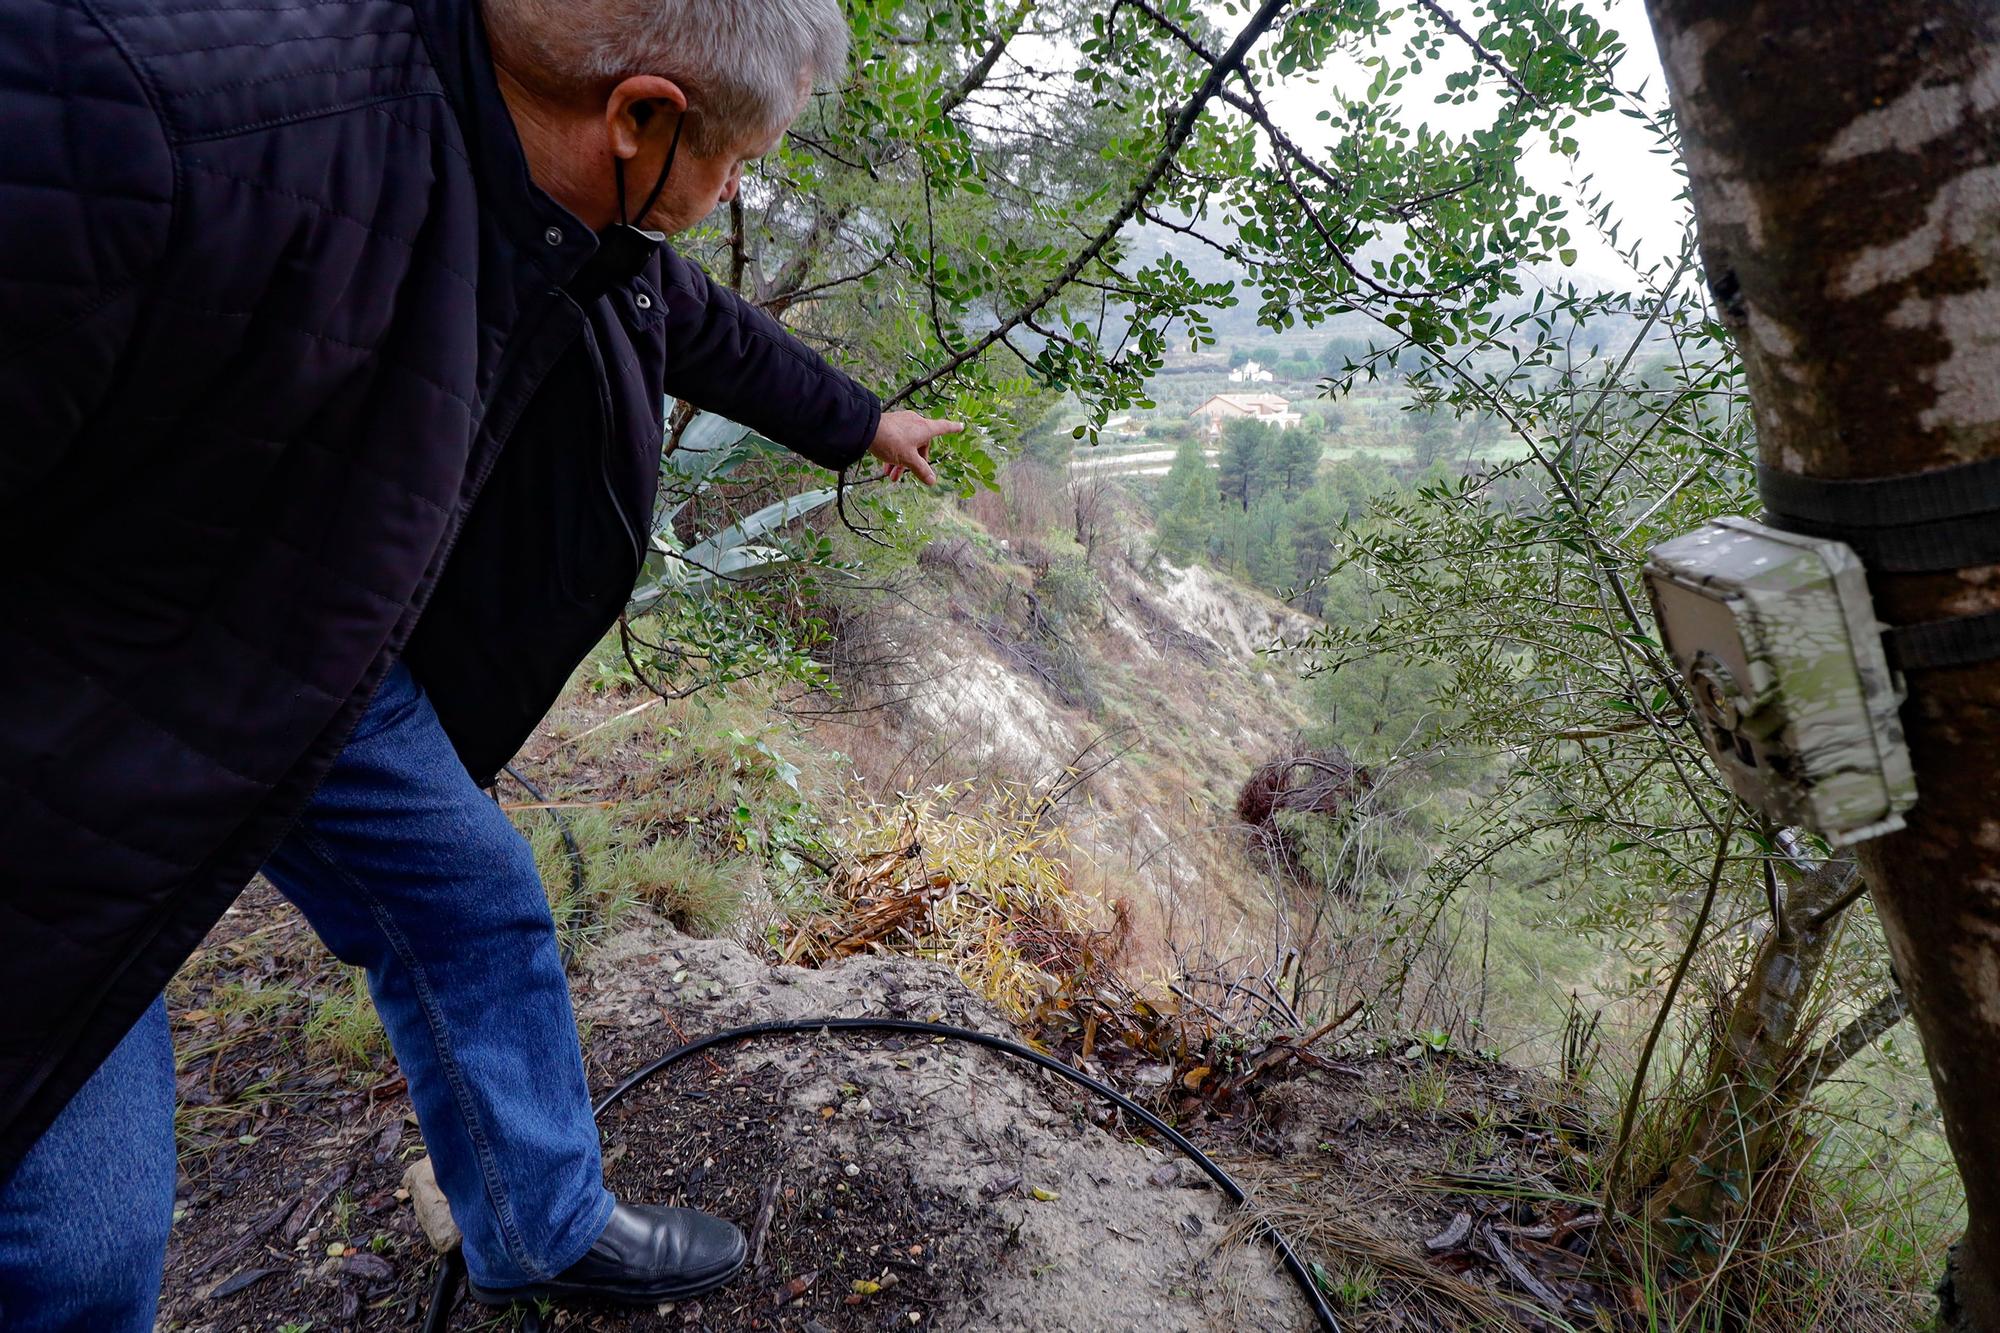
[(983, 886)]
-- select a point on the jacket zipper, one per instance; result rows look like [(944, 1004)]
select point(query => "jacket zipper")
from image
[(608, 418)]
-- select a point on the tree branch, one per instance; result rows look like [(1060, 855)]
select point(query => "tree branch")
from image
[(784, 285), (1252, 105), (1822, 889), (778, 305), (1177, 137), (1887, 1011), (1226, 250), (1486, 57), (975, 76), (739, 252)]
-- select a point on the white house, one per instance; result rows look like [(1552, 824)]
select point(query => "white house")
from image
[(1250, 373)]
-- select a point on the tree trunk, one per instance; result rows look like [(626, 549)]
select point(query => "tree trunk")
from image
[(1845, 167)]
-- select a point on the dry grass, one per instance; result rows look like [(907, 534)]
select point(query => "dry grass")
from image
[(1408, 1290), (1845, 1226), (979, 884)]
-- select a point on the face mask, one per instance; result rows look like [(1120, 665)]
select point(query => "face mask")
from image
[(624, 248)]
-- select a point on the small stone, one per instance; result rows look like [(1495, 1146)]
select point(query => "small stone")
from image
[(433, 1212), (852, 1169), (370, 1267)]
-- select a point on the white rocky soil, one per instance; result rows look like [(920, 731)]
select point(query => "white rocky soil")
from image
[(1104, 1234)]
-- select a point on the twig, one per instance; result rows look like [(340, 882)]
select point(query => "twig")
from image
[(767, 1203), (739, 250), (633, 711), (1330, 1026), (258, 1230), (1847, 899), (1566, 455), (1518, 1271), (1492, 61), (579, 868), (714, 1065), (1666, 1007), (316, 1199), (975, 76)]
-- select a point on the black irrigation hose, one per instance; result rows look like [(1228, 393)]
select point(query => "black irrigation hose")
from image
[(445, 1291), (579, 870)]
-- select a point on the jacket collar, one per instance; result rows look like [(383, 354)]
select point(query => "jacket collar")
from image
[(541, 229)]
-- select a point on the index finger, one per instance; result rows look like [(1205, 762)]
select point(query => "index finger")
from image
[(939, 426)]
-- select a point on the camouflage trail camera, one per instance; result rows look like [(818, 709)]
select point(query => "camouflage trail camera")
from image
[(1791, 687)]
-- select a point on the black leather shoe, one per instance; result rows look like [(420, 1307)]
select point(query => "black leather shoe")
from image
[(647, 1253)]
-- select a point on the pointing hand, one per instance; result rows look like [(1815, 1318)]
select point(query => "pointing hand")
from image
[(903, 443)]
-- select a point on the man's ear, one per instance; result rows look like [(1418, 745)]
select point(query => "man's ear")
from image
[(634, 106)]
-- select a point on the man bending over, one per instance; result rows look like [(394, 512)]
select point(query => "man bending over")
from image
[(333, 338)]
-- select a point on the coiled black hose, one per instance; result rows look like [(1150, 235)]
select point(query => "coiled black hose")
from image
[(444, 1291)]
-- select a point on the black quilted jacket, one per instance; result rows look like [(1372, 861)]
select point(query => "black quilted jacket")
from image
[(298, 372)]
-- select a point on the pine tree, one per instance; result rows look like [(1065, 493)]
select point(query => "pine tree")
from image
[(1189, 503), (1245, 460), (1314, 528), (1294, 459), (1432, 435)]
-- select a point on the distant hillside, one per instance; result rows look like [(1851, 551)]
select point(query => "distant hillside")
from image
[(1073, 662)]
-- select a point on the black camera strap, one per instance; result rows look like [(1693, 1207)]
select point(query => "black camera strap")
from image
[(1920, 523)]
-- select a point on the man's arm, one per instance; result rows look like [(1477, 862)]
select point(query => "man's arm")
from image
[(86, 204), (728, 357)]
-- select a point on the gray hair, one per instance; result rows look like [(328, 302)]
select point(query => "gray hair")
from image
[(747, 65)]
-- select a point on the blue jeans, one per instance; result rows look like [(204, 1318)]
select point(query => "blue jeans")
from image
[(84, 1217), (406, 869)]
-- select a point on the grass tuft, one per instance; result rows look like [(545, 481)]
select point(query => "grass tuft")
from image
[(342, 1025)]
